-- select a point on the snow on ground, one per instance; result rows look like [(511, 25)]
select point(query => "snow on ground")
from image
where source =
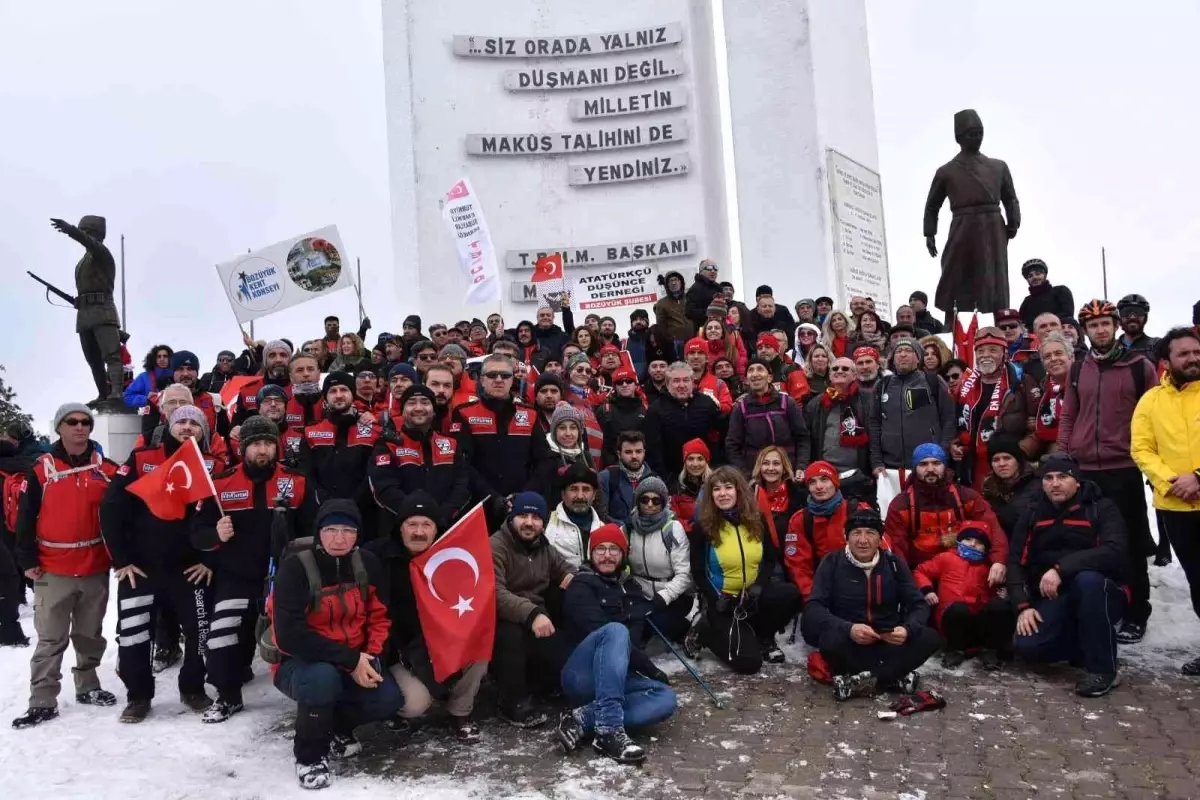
[(87, 753)]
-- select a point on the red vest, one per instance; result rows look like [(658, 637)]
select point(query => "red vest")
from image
[(408, 451), (235, 490), (148, 460), (68, 524)]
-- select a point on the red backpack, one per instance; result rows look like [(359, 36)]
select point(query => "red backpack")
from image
[(14, 487)]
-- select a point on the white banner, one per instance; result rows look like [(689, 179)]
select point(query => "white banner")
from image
[(615, 288), (464, 219), (286, 274)]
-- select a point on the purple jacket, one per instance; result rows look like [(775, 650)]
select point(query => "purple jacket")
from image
[(1097, 414)]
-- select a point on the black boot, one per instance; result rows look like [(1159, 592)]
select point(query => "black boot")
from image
[(11, 635), (314, 733), (35, 716), (619, 747)]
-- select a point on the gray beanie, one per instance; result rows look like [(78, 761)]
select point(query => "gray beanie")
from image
[(565, 412), (652, 485), (194, 414), (277, 344), (72, 408), (910, 343), (452, 350), (257, 429)]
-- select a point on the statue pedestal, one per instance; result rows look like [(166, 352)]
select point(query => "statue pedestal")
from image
[(117, 433)]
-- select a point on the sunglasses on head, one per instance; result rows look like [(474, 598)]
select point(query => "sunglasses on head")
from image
[(497, 375), (75, 422)]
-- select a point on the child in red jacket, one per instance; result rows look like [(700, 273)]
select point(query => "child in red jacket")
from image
[(972, 616)]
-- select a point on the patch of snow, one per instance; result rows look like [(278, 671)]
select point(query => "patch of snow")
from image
[(980, 717), (730, 744)]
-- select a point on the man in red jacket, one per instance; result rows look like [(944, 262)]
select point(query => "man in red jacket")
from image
[(329, 618), (695, 353), (1097, 413), (60, 549)]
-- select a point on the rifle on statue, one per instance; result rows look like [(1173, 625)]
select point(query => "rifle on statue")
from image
[(50, 287)]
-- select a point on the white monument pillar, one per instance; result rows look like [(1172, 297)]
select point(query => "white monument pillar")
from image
[(803, 121)]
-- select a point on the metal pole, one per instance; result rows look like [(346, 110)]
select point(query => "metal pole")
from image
[(358, 289), (1104, 270), (124, 324)]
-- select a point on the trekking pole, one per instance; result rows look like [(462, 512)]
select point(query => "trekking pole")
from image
[(687, 665)]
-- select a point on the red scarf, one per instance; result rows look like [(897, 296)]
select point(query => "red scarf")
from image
[(969, 393), (840, 346), (854, 432), (1049, 411), (768, 502)]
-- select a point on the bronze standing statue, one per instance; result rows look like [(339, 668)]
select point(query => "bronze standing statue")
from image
[(96, 320), (975, 260)]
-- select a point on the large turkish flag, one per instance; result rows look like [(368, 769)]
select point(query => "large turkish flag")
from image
[(455, 588), (179, 482)]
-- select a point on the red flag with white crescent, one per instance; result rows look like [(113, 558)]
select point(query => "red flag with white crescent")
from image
[(454, 583), (548, 268), (180, 481), (964, 340)]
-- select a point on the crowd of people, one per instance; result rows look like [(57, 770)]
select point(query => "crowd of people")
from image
[(713, 478)]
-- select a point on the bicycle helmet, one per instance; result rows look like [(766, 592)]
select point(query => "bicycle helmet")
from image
[(1095, 309), (1032, 264), (1133, 302)]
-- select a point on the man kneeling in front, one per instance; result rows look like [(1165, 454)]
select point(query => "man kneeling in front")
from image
[(330, 624)]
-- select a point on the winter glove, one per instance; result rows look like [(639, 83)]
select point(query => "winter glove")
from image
[(658, 675), (659, 602), (909, 704), (724, 604)]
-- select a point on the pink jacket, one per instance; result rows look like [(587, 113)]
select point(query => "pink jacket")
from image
[(1096, 414)]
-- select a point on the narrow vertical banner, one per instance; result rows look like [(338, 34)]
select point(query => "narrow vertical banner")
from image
[(464, 219)]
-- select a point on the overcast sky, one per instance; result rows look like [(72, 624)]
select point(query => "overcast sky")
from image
[(231, 125)]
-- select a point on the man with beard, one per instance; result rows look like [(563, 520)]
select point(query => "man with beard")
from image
[(837, 428), (763, 417), (866, 366), (1163, 442), (272, 404), (909, 407), (528, 572), (858, 304), (185, 369), (400, 377), (335, 451), (618, 483), (1022, 347), (454, 358), (259, 507), (1133, 310), (440, 381), (531, 353), (608, 331), (549, 335), (786, 376), (992, 400), (654, 385), (1097, 410), (410, 330), (156, 567), (547, 394), (276, 354), (695, 353), (575, 517), (1043, 297), (924, 519), (367, 398), (498, 435), (676, 418), (638, 339), (333, 333), (416, 458), (924, 320), (623, 410)]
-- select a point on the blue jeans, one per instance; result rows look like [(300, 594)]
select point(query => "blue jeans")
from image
[(1079, 625), (597, 677)]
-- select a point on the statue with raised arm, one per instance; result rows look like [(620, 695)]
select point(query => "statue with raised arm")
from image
[(96, 319), (975, 259)]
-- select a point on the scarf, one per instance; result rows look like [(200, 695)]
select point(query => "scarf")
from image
[(573, 453), (648, 523), (1049, 410), (825, 509), (634, 477), (854, 432), (970, 554), (1114, 353), (865, 566), (968, 397), (840, 346)]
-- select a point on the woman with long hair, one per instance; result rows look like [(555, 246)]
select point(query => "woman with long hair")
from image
[(776, 491), (837, 333), (695, 472), (156, 370), (732, 563), (723, 342), (935, 354), (816, 368), (350, 354), (870, 331), (583, 338)]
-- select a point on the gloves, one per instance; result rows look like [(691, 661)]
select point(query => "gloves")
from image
[(909, 704), (658, 675), (660, 602)]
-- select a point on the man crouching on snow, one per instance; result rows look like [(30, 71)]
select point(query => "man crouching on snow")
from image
[(330, 624)]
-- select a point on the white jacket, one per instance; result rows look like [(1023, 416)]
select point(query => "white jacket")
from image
[(657, 568), (566, 536)]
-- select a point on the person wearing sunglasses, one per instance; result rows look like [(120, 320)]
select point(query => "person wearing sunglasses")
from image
[(623, 410), (1022, 347), (659, 558), (952, 372), (60, 549), (701, 293), (838, 430)]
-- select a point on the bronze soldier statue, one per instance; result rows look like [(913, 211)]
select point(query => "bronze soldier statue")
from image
[(97, 322), (975, 261)]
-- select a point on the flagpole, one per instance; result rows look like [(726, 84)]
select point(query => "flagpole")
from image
[(358, 289), (124, 323), (1104, 270)]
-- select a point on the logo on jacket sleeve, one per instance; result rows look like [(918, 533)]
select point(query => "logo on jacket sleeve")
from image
[(383, 460), (124, 470)]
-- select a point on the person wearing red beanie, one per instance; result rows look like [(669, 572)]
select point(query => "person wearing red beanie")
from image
[(696, 469)]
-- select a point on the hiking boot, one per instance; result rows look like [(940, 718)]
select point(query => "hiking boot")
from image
[(344, 745), (953, 658), (221, 711), (196, 701), (164, 658), (570, 729), (135, 711), (247, 675), (464, 729), (990, 660), (908, 684), (1191, 668), (1095, 684), (96, 697), (35, 716), (522, 715), (861, 684), (314, 776), (772, 653), (398, 724), (1163, 560), (11, 635), (1131, 632), (691, 641), (619, 747)]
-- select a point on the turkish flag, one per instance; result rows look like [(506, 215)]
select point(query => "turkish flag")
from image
[(177, 483), (964, 341), (548, 268), (232, 387), (455, 588)]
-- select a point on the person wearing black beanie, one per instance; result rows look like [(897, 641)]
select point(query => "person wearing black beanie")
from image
[(1012, 485), (336, 450)]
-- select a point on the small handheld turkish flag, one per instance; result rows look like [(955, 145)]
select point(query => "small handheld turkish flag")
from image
[(548, 268), (177, 483), (454, 583)]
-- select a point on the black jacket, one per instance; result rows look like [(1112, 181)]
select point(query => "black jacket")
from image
[(1046, 297), (410, 460), (501, 444), (214, 381), (616, 415), (816, 416), (406, 640), (698, 298), (554, 337), (670, 424), (753, 325), (334, 454), (1088, 533), (1009, 502), (593, 600), (842, 596), (925, 321)]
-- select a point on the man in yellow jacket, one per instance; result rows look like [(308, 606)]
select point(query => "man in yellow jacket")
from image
[(1165, 443)]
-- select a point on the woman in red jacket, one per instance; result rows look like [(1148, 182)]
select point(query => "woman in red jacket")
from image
[(695, 472), (722, 342), (968, 613)]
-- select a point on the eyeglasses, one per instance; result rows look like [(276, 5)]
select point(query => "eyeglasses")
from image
[(841, 369), (807, 334), (1010, 326), (339, 530), (497, 375), (606, 550), (625, 382), (224, 360), (649, 500), (427, 357), (76, 422)]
